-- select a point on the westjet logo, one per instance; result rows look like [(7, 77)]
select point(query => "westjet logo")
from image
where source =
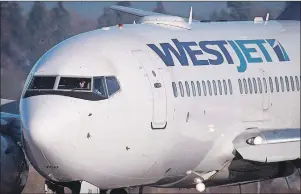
[(221, 51)]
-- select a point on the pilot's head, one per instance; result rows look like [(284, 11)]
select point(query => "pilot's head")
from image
[(82, 83)]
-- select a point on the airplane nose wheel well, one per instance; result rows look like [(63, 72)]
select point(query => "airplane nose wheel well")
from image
[(54, 188), (119, 191)]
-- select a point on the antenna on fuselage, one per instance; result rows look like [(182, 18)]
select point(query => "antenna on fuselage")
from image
[(267, 18), (190, 16)]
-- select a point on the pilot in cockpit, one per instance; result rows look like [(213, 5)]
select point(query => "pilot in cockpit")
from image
[(82, 84)]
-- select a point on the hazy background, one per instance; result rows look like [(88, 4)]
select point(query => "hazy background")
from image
[(29, 29)]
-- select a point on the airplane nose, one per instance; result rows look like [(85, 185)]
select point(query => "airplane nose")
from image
[(49, 120), (48, 131), (40, 123), (36, 122)]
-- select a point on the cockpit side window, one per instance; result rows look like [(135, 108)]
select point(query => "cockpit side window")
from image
[(112, 85), (100, 86), (68, 83), (42, 83)]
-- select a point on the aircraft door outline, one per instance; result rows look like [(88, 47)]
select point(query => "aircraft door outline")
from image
[(159, 115)]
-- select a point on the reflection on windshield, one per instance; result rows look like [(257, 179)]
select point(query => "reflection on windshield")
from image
[(106, 86), (40, 83), (100, 87), (112, 85), (67, 83)]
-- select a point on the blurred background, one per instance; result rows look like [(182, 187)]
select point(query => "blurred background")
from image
[(29, 29)]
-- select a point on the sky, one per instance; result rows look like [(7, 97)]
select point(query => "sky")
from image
[(92, 9)]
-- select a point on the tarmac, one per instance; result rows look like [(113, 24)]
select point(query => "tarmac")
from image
[(291, 184)]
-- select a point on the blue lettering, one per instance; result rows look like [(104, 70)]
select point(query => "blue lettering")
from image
[(279, 50), (221, 45), (180, 46), (219, 57), (247, 51), (239, 46), (166, 55), (192, 53), (284, 53), (263, 49), (243, 64)]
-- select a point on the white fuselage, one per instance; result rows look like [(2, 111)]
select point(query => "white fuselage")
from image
[(143, 133)]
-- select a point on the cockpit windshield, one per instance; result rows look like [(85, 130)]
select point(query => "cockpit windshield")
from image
[(106, 86), (93, 88), (68, 83), (42, 83)]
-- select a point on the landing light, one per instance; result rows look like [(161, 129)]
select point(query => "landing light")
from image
[(200, 187), (257, 140), (254, 140)]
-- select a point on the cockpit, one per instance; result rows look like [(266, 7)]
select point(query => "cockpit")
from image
[(88, 88)]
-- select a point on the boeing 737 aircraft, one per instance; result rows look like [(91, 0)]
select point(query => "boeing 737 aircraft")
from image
[(167, 102)]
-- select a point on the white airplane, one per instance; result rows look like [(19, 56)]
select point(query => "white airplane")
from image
[(165, 103)]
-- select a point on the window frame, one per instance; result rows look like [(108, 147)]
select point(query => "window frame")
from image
[(287, 84), (199, 88), (79, 94), (220, 87), (105, 83), (174, 89), (76, 77), (187, 88), (250, 85), (193, 88), (265, 85), (181, 88), (271, 85), (225, 87), (282, 85), (214, 87), (240, 86), (117, 91), (292, 83), (255, 85), (297, 83), (260, 89), (245, 85), (209, 87), (277, 84), (204, 87), (34, 76), (230, 87)]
